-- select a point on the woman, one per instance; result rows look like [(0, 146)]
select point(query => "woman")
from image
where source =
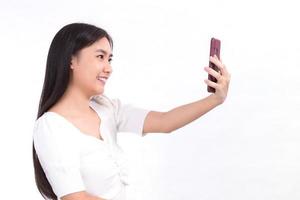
[(75, 151)]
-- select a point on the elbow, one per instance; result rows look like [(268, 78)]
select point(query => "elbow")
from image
[(167, 130), (165, 126)]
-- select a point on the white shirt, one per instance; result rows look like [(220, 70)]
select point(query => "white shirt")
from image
[(74, 161)]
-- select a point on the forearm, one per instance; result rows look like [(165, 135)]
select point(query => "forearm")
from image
[(182, 115), (92, 197), (81, 196)]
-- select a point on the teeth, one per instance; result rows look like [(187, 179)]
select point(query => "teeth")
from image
[(101, 79)]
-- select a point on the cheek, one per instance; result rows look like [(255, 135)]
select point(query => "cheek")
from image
[(89, 76), (94, 66), (84, 76), (88, 71)]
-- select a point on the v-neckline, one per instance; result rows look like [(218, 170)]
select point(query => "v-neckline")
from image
[(103, 140)]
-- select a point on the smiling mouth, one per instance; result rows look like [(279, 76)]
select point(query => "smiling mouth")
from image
[(102, 79)]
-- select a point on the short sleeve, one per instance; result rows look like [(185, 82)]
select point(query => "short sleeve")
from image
[(58, 156), (129, 118)]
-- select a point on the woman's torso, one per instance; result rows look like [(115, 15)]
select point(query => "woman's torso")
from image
[(103, 165)]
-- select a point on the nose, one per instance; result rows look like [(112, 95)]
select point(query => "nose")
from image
[(108, 68)]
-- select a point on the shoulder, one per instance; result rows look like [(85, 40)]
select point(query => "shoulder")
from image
[(50, 127), (48, 120), (45, 122), (111, 103)]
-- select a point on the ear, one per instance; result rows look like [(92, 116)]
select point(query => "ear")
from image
[(73, 62)]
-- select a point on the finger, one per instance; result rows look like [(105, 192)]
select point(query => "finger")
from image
[(220, 65), (211, 83), (223, 70), (212, 72), (215, 61)]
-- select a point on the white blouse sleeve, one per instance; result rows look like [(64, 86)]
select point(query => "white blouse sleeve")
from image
[(58, 155), (129, 118)]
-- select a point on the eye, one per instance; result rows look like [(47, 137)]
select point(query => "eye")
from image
[(100, 56), (109, 60)]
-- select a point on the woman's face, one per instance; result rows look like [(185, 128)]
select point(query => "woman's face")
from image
[(89, 65)]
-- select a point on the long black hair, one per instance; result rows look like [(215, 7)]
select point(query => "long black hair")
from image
[(68, 41)]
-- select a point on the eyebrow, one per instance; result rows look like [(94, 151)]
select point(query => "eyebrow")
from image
[(105, 52)]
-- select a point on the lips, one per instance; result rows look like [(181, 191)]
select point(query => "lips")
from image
[(103, 79)]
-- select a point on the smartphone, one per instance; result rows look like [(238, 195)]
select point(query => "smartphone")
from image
[(215, 47)]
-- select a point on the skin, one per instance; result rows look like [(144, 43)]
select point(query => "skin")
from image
[(223, 78), (83, 84), (74, 104), (85, 67), (185, 114)]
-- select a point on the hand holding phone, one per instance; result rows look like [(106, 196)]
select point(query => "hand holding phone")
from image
[(215, 47)]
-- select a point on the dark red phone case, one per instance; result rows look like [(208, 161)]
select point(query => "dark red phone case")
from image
[(215, 47)]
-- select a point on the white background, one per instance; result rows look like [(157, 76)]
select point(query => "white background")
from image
[(248, 148)]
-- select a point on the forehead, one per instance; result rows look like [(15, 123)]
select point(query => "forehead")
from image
[(102, 44)]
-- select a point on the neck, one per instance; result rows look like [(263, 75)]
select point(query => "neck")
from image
[(75, 102)]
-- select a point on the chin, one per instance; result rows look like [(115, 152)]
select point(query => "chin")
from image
[(99, 93)]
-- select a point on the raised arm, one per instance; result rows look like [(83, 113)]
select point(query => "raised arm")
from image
[(80, 196), (166, 122)]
